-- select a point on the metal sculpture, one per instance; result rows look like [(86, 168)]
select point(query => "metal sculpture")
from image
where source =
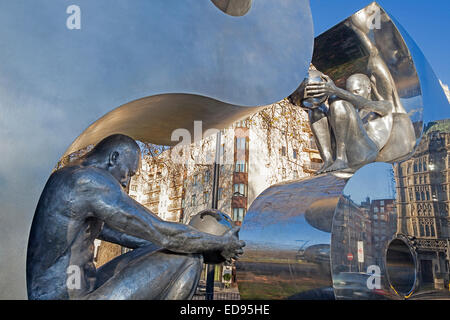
[(209, 61), (85, 201), (326, 242)]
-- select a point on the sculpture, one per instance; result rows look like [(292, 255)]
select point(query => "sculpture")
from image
[(360, 127), (85, 201), (351, 130)]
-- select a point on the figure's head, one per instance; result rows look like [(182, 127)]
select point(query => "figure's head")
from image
[(120, 155), (359, 84)]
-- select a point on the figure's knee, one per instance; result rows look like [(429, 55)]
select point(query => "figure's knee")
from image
[(183, 286), (193, 262), (340, 109)]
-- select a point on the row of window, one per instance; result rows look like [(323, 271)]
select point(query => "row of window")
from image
[(239, 214), (418, 166), (239, 189), (284, 152), (426, 230)]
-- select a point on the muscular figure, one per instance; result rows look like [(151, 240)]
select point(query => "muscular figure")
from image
[(85, 201), (360, 126), (377, 69)]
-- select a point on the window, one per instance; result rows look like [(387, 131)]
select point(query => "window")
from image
[(241, 144), (220, 194), (206, 197), (294, 154), (241, 166), (183, 203), (242, 124), (207, 176), (133, 188), (195, 179), (422, 230), (194, 200), (283, 151), (240, 189), (238, 214)]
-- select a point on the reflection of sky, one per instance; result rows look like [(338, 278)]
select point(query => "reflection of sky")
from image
[(372, 180), (426, 21), (414, 107), (292, 233)]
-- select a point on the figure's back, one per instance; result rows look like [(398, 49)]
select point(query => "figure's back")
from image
[(56, 227)]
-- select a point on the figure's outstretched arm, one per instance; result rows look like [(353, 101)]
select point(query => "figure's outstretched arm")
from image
[(125, 240), (106, 200)]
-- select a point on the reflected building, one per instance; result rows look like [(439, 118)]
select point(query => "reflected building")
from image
[(423, 203), (354, 225)]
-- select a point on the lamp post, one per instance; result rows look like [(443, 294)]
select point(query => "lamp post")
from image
[(215, 202)]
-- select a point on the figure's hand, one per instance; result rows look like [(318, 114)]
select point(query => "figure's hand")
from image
[(319, 89), (233, 246)]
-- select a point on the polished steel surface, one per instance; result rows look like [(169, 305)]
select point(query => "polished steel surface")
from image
[(387, 227), (87, 200), (363, 119), (226, 64), (56, 82), (287, 234), (138, 119)]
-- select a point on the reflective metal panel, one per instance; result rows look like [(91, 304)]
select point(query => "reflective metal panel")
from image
[(287, 232), (400, 219), (389, 236), (57, 81)]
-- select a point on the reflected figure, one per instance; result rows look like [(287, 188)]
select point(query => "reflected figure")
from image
[(86, 200), (361, 24), (360, 127), (403, 138)]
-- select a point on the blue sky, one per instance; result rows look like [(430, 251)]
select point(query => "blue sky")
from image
[(427, 22)]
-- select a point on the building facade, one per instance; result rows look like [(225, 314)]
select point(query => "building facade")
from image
[(423, 201)]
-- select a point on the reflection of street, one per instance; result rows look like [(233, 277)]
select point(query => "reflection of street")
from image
[(281, 275), (353, 285)]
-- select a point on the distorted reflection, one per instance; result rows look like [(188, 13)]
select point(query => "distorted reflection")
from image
[(403, 228), (386, 234)]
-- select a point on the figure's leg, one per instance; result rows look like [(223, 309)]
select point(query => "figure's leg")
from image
[(148, 274), (322, 133), (354, 148), (340, 117)]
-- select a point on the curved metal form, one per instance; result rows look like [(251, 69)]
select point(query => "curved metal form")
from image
[(288, 238), (385, 228), (59, 80), (401, 267)]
